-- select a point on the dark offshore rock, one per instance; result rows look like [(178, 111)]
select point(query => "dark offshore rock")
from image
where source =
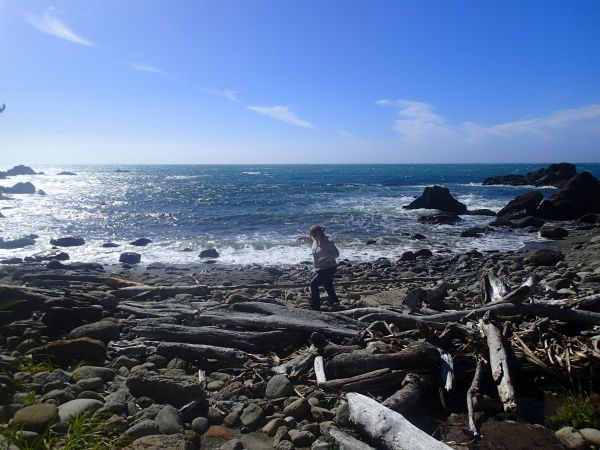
[(475, 231), (19, 188), (41, 192), (554, 175), (68, 242), (522, 206), (66, 173), (130, 258), (530, 221), (589, 218), (423, 253), (165, 389), (502, 222), (418, 237), (553, 232), (581, 195), (68, 351), (543, 257), (408, 256), (437, 197), (141, 242), (440, 219), (20, 170), (209, 253), (481, 212), (17, 243), (109, 245)]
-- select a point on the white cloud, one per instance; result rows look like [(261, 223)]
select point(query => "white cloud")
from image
[(49, 24), (143, 67), (225, 93), (282, 113), (349, 137)]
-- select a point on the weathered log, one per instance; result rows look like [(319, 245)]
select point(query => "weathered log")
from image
[(414, 386), (474, 390), (389, 428), (499, 366), (345, 441), (261, 316), (163, 291), (197, 352), (376, 379), (419, 355), (243, 340), (18, 298), (157, 309)]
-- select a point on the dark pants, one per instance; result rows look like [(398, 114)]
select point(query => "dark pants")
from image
[(323, 278)]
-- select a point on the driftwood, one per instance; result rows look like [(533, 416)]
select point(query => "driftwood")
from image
[(197, 352), (347, 442), (157, 309), (447, 366), (419, 355), (385, 379), (499, 366), (474, 390), (243, 340), (296, 366), (414, 386), (141, 292), (261, 316), (319, 368), (388, 427), (493, 287)]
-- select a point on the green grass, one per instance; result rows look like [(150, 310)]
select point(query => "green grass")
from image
[(32, 367), (577, 412)]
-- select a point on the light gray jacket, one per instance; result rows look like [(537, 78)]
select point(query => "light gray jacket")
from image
[(326, 249)]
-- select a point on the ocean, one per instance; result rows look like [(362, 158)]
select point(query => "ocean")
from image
[(252, 213)]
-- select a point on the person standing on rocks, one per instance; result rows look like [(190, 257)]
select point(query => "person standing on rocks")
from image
[(324, 254)]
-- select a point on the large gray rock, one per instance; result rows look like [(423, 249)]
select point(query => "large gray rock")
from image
[(279, 386), (69, 410), (571, 438), (437, 197), (591, 435), (19, 188), (580, 196), (543, 257), (549, 232), (143, 428), (104, 330), (35, 417), (116, 402), (253, 416), (68, 351), (130, 258), (165, 389), (20, 170), (68, 241), (16, 243), (553, 175), (521, 206), (169, 420)]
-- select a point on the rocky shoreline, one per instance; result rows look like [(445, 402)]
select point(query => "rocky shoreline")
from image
[(222, 357)]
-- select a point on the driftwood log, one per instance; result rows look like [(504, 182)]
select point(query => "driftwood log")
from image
[(375, 381), (389, 428), (197, 352), (474, 390), (414, 386), (347, 442), (499, 366), (419, 355)]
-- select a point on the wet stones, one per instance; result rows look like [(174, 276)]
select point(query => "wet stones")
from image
[(165, 389), (130, 258), (543, 257), (68, 242), (279, 386), (209, 253), (69, 410), (141, 242), (104, 330), (36, 417), (72, 350)]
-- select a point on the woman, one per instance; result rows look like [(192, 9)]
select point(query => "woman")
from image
[(324, 254)]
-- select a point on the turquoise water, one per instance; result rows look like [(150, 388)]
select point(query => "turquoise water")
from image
[(251, 213)]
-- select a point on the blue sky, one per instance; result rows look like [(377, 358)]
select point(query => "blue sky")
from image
[(299, 81)]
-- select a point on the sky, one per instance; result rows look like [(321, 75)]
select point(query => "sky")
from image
[(308, 81)]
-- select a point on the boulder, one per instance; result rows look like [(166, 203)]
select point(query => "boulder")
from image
[(579, 196), (481, 212), (408, 256), (570, 438), (589, 218), (109, 245), (104, 330), (554, 175), (16, 243), (165, 389), (130, 258), (85, 372), (35, 417), (66, 172), (279, 386), (475, 231), (68, 242), (19, 188), (423, 253), (209, 253), (521, 206), (543, 257), (530, 221), (69, 410), (169, 420), (68, 351), (141, 242), (437, 197), (440, 219), (549, 232), (20, 170), (418, 237), (252, 417)]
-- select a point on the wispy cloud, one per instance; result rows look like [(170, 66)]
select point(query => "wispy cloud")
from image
[(418, 121), (282, 113), (48, 23), (225, 93), (349, 137), (143, 67)]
